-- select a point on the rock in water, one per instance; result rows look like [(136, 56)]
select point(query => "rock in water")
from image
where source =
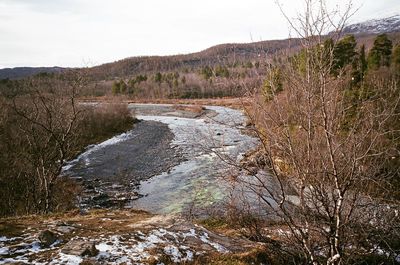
[(80, 247), (47, 238)]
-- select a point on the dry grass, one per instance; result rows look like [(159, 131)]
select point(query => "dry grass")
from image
[(95, 221), (198, 109)]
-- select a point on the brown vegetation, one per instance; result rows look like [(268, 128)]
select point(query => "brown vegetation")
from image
[(41, 128), (329, 165)]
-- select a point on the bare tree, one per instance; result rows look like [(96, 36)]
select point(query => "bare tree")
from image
[(49, 113), (325, 174)]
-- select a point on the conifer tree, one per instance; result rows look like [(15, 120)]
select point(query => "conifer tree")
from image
[(380, 52), (344, 52)]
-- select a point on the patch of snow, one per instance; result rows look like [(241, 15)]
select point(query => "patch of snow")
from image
[(123, 260), (114, 249), (102, 247), (35, 247), (388, 24), (189, 255), (67, 259), (13, 260), (4, 250), (218, 247), (173, 252), (5, 239), (154, 239), (192, 232)]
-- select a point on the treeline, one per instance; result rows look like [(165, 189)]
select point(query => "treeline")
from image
[(226, 54), (42, 126), (205, 82), (342, 58), (233, 78)]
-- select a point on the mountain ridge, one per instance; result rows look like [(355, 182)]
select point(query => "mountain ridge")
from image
[(375, 26), (25, 71)]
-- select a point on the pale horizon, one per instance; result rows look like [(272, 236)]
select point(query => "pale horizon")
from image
[(72, 33)]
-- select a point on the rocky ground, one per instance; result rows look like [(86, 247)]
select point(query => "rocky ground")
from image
[(110, 172), (146, 151), (117, 237)]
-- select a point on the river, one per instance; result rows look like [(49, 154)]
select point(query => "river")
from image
[(194, 181)]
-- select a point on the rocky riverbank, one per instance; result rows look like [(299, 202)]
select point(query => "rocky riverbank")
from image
[(110, 171), (117, 237)]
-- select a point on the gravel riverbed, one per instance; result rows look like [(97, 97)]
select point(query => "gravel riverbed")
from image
[(111, 171), (168, 163)]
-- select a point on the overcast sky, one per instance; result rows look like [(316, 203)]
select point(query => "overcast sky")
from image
[(75, 33)]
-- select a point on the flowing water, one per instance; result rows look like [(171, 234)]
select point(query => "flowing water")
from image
[(198, 180)]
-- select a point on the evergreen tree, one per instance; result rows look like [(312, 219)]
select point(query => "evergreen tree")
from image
[(363, 60), (273, 84), (344, 53), (359, 66), (249, 65), (122, 87), (142, 78), (222, 71), (380, 52), (206, 72), (116, 88), (158, 78)]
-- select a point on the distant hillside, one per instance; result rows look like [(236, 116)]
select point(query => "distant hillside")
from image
[(21, 72), (223, 54), (375, 26)]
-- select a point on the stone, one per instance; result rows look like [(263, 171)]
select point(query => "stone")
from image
[(47, 238), (80, 247), (192, 241), (65, 229)]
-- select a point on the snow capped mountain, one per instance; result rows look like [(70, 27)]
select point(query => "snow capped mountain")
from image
[(389, 24)]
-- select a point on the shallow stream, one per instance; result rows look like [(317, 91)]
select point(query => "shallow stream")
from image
[(197, 180)]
